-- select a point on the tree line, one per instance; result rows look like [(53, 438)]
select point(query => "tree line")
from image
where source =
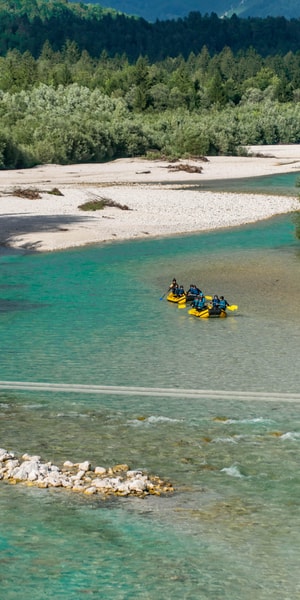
[(27, 24), (74, 124), (201, 81)]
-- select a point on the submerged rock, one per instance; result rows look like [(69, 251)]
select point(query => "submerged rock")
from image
[(80, 477)]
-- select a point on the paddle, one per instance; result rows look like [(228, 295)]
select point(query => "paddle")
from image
[(162, 297), (182, 302)]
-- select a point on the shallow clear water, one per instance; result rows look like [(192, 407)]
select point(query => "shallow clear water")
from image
[(283, 184), (94, 316)]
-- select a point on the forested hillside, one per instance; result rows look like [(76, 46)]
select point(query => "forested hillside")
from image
[(63, 103), (164, 10), (175, 9), (27, 24)]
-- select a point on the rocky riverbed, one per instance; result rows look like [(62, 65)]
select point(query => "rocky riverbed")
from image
[(81, 477)]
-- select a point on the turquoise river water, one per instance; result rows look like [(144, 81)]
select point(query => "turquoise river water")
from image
[(284, 184), (94, 316)]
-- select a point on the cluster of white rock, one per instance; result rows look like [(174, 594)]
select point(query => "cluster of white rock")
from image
[(80, 477)]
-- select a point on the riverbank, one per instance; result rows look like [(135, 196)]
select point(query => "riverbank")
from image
[(155, 193)]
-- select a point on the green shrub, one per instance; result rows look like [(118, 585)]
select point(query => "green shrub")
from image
[(100, 203)]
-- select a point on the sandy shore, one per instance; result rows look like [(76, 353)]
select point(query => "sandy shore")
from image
[(154, 193)]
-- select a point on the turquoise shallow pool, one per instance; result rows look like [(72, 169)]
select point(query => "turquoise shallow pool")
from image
[(94, 316)]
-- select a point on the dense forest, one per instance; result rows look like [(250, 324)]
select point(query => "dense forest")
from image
[(27, 24), (66, 105)]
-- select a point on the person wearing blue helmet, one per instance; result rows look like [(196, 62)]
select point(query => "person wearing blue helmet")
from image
[(199, 302), (223, 303)]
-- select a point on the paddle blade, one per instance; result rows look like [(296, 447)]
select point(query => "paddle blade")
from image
[(181, 304), (162, 297), (208, 297), (232, 307)]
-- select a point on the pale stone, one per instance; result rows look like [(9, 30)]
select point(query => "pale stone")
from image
[(43, 470), (4, 455), (79, 475), (137, 485), (134, 473), (114, 482), (107, 483), (20, 472), (28, 470), (100, 471), (53, 467), (66, 483), (101, 484), (53, 479), (11, 464), (31, 458), (68, 464), (84, 466), (123, 488), (90, 490), (77, 488)]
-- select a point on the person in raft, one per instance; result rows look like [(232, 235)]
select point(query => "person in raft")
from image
[(199, 302), (216, 301), (215, 306), (223, 303), (193, 290), (173, 285), (179, 291)]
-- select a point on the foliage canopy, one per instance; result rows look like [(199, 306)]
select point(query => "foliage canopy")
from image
[(61, 103)]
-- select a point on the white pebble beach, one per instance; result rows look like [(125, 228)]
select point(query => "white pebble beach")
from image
[(158, 202)]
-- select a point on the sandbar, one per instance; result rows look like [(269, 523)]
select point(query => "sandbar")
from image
[(156, 193)]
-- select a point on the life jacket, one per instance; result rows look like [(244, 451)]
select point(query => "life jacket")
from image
[(222, 304)]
